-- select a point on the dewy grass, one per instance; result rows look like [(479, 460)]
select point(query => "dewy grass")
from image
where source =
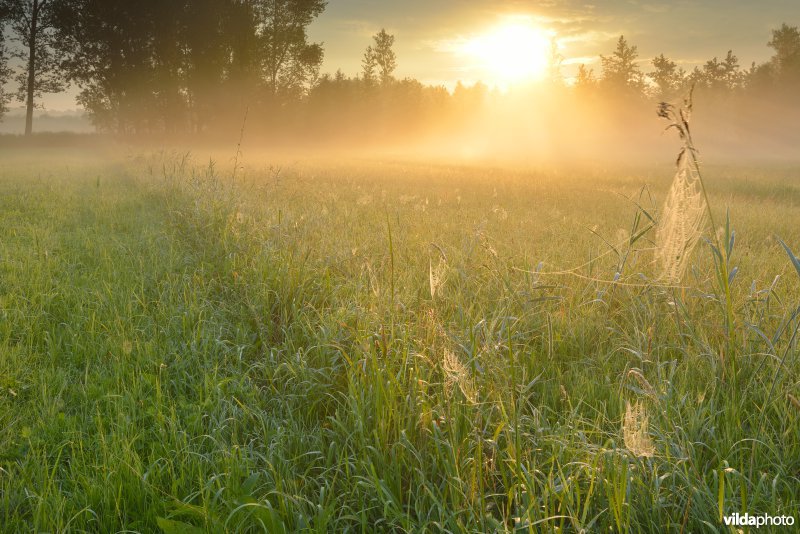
[(683, 219), (179, 353)]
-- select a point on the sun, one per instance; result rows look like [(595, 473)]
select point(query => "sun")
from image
[(511, 53)]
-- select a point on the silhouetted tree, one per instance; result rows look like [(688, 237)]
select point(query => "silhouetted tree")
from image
[(157, 65), (111, 56), (243, 70), (759, 78), (713, 74), (585, 80), (732, 72), (369, 65), (621, 73), (381, 56), (290, 62), (221, 68), (720, 76), (620, 70), (351, 108), (33, 26), (168, 67), (786, 61), (667, 77), (336, 106), (696, 78), (5, 71)]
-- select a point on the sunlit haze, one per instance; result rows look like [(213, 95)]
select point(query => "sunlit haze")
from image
[(544, 81), (432, 36), (511, 52), (429, 34)]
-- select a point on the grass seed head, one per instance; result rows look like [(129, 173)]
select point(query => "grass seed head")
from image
[(643, 382)]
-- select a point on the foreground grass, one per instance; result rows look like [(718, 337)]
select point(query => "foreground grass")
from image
[(180, 353)]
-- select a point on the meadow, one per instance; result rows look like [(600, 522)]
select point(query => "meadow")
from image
[(388, 345)]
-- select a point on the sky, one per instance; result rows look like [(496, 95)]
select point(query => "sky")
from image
[(430, 34)]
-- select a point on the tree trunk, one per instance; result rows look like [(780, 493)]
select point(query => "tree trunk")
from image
[(31, 68)]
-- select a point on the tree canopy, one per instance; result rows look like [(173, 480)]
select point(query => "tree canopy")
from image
[(621, 72)]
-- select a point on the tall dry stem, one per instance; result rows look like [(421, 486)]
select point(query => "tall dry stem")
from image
[(684, 214)]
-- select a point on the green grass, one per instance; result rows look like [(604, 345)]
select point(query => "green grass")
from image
[(179, 352)]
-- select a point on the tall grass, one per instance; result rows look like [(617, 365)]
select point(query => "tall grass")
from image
[(183, 353), (683, 219)]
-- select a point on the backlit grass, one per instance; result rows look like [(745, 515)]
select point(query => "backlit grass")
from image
[(182, 353)]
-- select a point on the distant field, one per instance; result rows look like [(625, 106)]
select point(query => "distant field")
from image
[(331, 346)]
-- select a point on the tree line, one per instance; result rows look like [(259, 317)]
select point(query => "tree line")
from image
[(156, 65), (195, 66), (621, 72)]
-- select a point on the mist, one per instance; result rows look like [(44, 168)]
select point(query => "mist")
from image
[(209, 77)]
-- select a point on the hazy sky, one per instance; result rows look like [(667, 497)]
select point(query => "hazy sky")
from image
[(426, 30)]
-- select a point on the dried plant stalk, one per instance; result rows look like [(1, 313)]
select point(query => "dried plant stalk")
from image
[(684, 214)]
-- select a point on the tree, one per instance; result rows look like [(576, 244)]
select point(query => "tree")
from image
[(112, 58), (621, 73), (667, 77), (786, 61), (168, 67), (381, 56), (696, 78), (155, 65), (585, 80), (719, 76), (33, 26), (713, 75), (290, 62), (732, 72), (369, 65), (243, 70), (5, 71), (207, 30), (759, 78), (725, 75)]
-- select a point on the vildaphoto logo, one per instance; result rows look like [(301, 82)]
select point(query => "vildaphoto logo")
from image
[(758, 521)]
